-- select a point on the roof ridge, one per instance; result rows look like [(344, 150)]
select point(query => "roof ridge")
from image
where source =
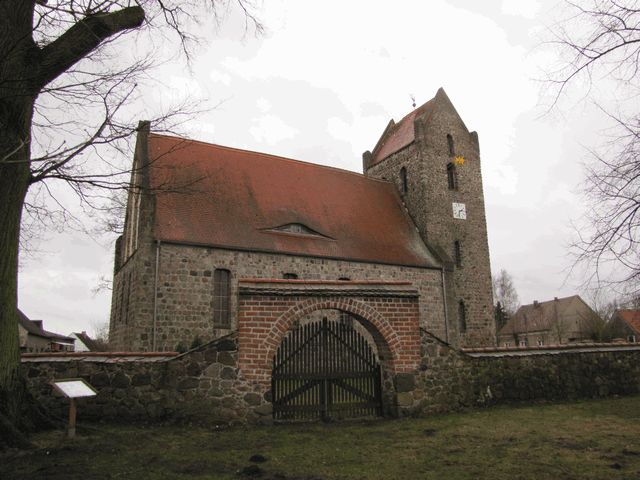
[(271, 156), (549, 301)]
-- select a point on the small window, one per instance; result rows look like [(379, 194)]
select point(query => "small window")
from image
[(128, 300), (122, 298), (344, 279), (631, 339), (540, 342), (457, 252), (403, 180), (462, 316), (221, 298), (452, 176), (523, 342), (290, 276), (452, 150)]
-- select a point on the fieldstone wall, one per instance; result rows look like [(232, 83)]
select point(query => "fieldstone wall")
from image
[(204, 383), (185, 290), (451, 379), (207, 385)]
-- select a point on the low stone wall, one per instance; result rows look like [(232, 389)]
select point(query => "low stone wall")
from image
[(450, 379), (204, 383)]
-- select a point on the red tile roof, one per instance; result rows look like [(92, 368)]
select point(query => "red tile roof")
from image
[(235, 198), (399, 135), (631, 318)]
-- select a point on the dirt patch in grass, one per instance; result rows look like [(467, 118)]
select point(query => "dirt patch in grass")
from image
[(586, 440)]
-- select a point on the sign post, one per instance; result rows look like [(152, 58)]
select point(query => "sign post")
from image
[(73, 388)]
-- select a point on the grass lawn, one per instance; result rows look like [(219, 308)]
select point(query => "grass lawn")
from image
[(586, 440)]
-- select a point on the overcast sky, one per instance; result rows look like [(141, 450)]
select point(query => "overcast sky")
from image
[(321, 85)]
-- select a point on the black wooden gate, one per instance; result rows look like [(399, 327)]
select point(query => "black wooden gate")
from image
[(325, 369)]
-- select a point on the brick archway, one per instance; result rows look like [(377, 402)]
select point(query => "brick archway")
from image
[(268, 309), (382, 331)]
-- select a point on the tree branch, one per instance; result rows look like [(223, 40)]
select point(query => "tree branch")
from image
[(82, 38)]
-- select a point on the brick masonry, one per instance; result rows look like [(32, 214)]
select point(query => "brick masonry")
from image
[(268, 309)]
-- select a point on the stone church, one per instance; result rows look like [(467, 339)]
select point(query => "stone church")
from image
[(222, 241)]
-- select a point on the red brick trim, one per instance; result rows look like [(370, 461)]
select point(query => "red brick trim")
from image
[(320, 282), (263, 321)]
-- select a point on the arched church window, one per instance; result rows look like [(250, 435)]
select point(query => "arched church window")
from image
[(452, 176), (221, 298), (403, 180), (462, 316), (452, 150), (457, 253)]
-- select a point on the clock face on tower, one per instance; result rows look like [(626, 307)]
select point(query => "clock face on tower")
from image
[(459, 211)]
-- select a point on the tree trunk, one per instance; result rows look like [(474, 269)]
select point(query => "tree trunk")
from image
[(14, 179), (16, 111)]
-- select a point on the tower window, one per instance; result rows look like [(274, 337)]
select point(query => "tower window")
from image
[(457, 252), (452, 150), (403, 180), (452, 176), (221, 298), (462, 316)]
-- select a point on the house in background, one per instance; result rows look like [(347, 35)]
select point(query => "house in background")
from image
[(557, 321), (626, 324), (33, 337)]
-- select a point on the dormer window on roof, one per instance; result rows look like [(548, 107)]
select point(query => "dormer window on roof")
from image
[(298, 229)]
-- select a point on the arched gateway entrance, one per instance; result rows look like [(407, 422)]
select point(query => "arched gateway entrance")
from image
[(317, 364)]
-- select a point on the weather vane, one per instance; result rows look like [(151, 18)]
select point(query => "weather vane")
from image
[(413, 99)]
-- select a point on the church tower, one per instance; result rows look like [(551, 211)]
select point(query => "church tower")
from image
[(435, 163)]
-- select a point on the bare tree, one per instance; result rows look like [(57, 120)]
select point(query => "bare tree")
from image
[(504, 292), (101, 334), (65, 78), (602, 327), (599, 45)]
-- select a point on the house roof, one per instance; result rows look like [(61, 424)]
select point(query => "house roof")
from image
[(631, 318), (90, 343), (539, 316), (33, 329), (220, 196), (399, 135)]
